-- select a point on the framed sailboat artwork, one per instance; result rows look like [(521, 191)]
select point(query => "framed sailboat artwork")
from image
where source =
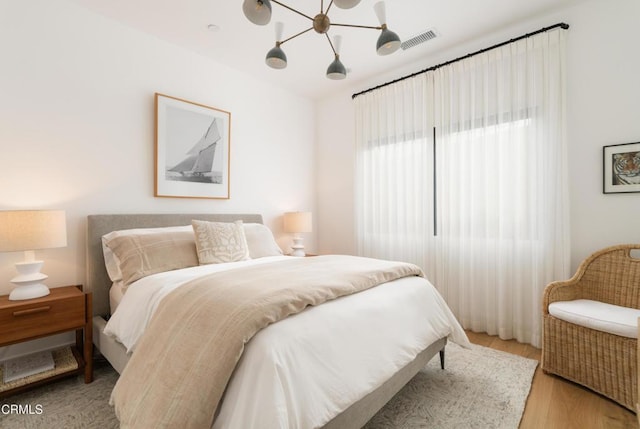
[(192, 149)]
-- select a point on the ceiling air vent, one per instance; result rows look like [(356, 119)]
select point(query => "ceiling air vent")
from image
[(420, 38)]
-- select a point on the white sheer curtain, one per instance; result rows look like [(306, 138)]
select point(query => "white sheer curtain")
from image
[(500, 199), (394, 132)]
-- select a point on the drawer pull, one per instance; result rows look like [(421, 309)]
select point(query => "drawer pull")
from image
[(31, 311)]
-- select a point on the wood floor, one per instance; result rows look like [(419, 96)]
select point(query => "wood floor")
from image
[(557, 403)]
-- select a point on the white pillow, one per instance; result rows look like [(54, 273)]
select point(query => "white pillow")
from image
[(260, 241), (112, 262), (218, 242)]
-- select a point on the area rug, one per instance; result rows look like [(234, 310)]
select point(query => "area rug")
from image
[(479, 388)]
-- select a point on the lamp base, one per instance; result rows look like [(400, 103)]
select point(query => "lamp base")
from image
[(29, 291), (28, 282), (298, 252), (298, 247)]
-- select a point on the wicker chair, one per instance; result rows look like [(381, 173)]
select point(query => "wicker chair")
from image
[(603, 362)]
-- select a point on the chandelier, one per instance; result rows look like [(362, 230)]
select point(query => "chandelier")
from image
[(259, 12)]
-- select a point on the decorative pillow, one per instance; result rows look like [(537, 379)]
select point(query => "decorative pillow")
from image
[(111, 261), (260, 241), (218, 242), (140, 255)]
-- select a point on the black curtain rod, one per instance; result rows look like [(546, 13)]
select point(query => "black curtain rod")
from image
[(562, 25)]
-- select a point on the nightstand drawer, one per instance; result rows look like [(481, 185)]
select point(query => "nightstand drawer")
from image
[(42, 317)]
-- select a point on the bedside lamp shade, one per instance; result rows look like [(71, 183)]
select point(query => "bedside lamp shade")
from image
[(297, 223), (29, 230)]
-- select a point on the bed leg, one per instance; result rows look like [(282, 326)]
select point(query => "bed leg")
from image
[(442, 358)]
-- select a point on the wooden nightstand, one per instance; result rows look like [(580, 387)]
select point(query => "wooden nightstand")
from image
[(64, 309)]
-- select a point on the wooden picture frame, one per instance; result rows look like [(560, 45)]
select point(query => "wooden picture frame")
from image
[(621, 168), (192, 149)]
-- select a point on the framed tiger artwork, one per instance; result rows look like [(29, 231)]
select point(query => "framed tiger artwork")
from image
[(621, 168)]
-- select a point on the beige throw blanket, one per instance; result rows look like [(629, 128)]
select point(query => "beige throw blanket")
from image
[(180, 369)]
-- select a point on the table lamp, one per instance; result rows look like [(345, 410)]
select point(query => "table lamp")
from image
[(297, 223), (28, 230)]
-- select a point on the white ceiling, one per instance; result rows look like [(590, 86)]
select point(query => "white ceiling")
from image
[(243, 45)]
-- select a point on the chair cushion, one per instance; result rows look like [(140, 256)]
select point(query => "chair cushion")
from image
[(614, 319)]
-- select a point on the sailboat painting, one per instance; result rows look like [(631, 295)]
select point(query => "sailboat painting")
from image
[(198, 164), (192, 149)]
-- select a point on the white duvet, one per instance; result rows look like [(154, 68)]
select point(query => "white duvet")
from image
[(303, 371)]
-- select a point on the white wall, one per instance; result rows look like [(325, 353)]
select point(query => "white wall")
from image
[(77, 127), (335, 155), (603, 108)]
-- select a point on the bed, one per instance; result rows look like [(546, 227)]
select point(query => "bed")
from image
[(361, 406)]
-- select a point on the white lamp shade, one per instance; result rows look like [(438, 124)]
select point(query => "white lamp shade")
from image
[(32, 230), (297, 222), (346, 4)]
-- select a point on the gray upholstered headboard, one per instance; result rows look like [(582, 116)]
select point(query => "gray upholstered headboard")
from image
[(98, 281)]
